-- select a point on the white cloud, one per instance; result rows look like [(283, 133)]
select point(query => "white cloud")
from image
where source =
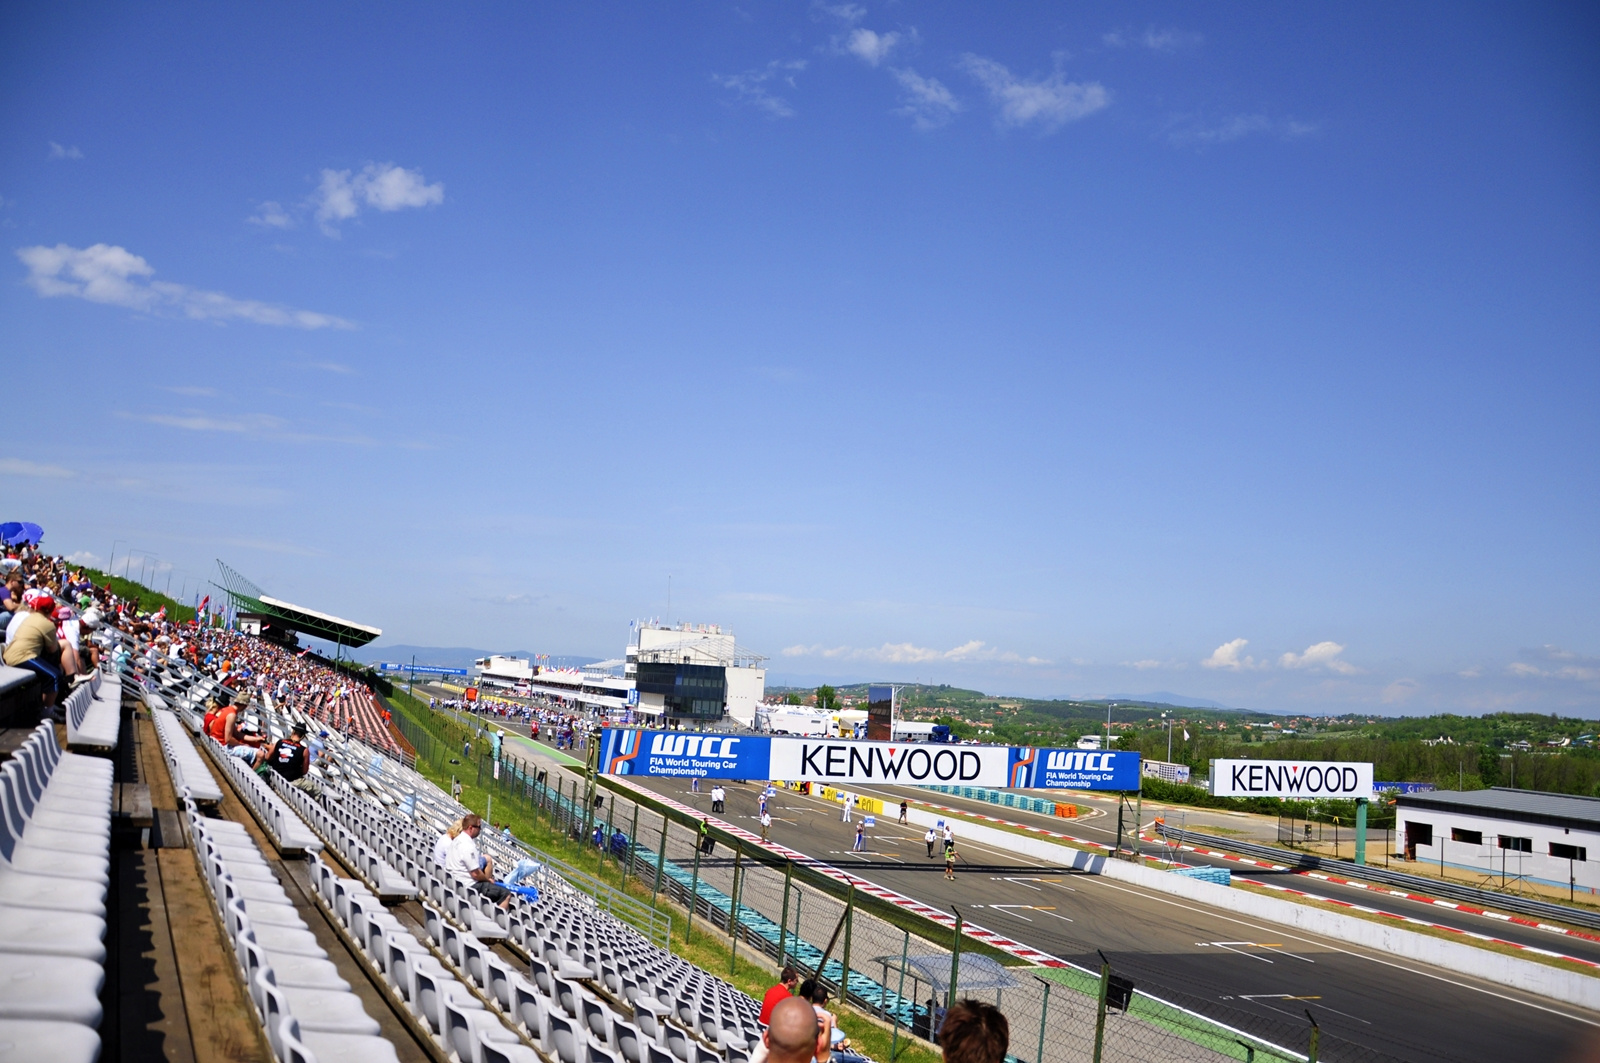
[(20, 467), (909, 653), (1399, 692), (753, 86), (1320, 655), (1556, 663), (928, 104), (870, 46), (849, 14), (1227, 656), (1157, 40), (1049, 101), (380, 185), (1150, 663), (332, 367), (104, 273), (59, 152), (1192, 129), (193, 391), (271, 215), (85, 557)]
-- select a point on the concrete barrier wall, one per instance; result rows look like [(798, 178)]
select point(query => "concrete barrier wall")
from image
[(1569, 987)]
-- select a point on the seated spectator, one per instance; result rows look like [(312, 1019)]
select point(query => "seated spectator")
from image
[(289, 756), (974, 1032), (470, 867), (31, 641), (441, 845), (788, 979)]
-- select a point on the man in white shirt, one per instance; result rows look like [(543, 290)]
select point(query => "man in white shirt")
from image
[(467, 863)]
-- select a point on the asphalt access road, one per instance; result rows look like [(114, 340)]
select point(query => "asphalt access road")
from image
[(1103, 829), (1365, 997)]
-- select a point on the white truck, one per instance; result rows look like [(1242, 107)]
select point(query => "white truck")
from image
[(802, 724)]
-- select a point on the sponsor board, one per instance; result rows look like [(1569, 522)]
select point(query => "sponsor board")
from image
[(1297, 779), (841, 762)]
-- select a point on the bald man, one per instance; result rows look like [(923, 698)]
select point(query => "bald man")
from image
[(795, 1035)]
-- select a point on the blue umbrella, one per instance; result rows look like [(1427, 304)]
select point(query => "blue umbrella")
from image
[(10, 529), (33, 532)]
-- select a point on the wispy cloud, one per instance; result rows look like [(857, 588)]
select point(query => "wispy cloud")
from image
[(332, 367), (1553, 662), (259, 425), (1151, 664), (381, 185), (909, 653), (1047, 102), (754, 87), (21, 467), (870, 46), (1157, 40), (193, 391), (1321, 655), (57, 151), (928, 103), (1196, 130), (104, 273), (271, 215), (1230, 657)]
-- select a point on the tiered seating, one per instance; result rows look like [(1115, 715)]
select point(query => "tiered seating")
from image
[(55, 839), (185, 764), (373, 869), (357, 715), (94, 714), (288, 832), (307, 1009)]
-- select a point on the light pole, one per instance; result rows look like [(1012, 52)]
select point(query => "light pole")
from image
[(111, 565), (1168, 718)]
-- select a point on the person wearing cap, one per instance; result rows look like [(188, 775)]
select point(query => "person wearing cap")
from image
[(31, 640)]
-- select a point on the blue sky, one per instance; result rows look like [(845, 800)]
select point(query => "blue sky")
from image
[(1248, 353)]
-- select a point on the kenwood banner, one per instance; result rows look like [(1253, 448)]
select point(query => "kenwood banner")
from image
[(842, 762), (1297, 779)]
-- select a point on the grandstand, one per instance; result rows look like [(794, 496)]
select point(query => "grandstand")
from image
[(160, 899)]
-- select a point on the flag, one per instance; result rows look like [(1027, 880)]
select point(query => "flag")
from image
[(307, 650), (203, 603), (1185, 734)]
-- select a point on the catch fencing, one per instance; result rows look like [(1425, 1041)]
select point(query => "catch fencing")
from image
[(901, 968)]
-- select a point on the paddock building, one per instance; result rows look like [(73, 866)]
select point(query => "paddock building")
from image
[(1518, 834)]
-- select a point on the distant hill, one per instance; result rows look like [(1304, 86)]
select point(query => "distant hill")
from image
[(1162, 697), (454, 656)]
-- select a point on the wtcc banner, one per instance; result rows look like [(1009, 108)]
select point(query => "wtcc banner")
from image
[(842, 762), (1300, 779)]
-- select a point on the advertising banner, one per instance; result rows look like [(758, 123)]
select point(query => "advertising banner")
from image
[(1075, 769), (846, 762), (420, 669), (1297, 779)]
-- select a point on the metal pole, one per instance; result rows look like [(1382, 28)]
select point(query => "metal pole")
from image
[(694, 891), (849, 924), (783, 919), (1100, 1011), (633, 844), (1316, 1039), (661, 859), (1361, 830), (900, 994), (733, 909), (1044, 1009), (955, 962)]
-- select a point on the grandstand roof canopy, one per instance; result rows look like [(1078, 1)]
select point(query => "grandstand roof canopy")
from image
[(250, 598)]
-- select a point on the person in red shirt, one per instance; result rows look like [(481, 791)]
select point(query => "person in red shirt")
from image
[(787, 980)]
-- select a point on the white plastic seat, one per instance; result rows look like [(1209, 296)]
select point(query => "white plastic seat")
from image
[(21, 889), (314, 1009), (62, 934), (295, 1045), (30, 1040), (301, 972), (53, 988), (465, 1028)]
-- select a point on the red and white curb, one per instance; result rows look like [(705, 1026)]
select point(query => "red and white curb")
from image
[(1423, 922), (1417, 897)]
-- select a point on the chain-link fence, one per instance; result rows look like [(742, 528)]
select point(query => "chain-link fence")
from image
[(901, 971)]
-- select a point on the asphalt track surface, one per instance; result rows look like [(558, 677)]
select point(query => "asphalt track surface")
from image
[(1103, 829), (1368, 998)]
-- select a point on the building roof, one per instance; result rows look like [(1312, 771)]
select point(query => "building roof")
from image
[(1500, 802), (250, 598)]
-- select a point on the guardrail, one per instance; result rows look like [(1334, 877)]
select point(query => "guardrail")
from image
[(1416, 883)]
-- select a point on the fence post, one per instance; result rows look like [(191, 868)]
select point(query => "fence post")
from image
[(900, 996), (783, 918), (633, 845), (1044, 1009), (955, 964), (694, 892), (661, 858), (1100, 1011), (849, 925), (733, 910), (558, 827), (1316, 1038)]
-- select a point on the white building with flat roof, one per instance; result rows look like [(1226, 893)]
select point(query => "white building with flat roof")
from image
[(691, 673), (1521, 834)]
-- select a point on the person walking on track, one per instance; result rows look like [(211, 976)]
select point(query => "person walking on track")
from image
[(861, 838), (902, 811), (930, 838), (766, 823), (950, 859)]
